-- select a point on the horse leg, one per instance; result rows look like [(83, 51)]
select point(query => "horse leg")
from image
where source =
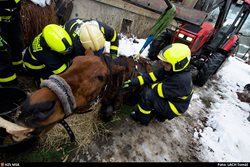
[(106, 112), (110, 107)]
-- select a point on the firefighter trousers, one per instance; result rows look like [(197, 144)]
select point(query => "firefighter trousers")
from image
[(151, 105), (7, 74), (12, 32)]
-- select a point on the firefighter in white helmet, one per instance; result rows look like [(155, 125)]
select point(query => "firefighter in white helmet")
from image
[(91, 34), (91, 37)]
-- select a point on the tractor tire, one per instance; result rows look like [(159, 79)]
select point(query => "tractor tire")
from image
[(209, 68), (64, 9), (204, 5)]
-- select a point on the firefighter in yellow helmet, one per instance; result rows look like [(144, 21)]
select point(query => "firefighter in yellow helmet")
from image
[(169, 89), (91, 34), (48, 53)]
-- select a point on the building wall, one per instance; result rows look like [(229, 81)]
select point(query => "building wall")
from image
[(123, 16)]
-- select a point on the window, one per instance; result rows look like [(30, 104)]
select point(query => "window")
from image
[(213, 15), (126, 26)]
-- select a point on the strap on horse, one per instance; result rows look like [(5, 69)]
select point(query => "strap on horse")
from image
[(135, 69), (63, 91), (69, 130)]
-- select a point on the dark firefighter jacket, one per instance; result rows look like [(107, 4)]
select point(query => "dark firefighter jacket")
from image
[(11, 29), (73, 28), (176, 88), (7, 74), (38, 58), (9, 8)]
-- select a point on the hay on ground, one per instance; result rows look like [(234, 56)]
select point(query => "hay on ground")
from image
[(84, 126)]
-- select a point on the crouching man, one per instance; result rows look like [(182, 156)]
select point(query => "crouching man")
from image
[(168, 90)]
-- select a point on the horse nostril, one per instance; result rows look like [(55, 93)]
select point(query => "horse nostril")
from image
[(37, 112), (45, 110)]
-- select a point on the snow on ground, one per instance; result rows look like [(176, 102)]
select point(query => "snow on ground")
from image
[(227, 134), (215, 128), (130, 46), (41, 3)]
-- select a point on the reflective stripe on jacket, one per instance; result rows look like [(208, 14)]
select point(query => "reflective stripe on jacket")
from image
[(8, 8), (38, 56), (7, 73), (176, 88)]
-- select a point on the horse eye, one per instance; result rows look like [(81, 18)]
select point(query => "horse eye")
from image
[(101, 78)]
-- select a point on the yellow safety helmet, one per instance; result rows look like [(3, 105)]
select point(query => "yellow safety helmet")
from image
[(91, 37), (57, 38), (177, 54)]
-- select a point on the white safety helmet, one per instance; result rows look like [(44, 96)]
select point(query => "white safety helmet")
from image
[(91, 37)]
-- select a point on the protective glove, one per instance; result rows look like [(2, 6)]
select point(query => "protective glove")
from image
[(137, 56), (113, 56), (127, 84)]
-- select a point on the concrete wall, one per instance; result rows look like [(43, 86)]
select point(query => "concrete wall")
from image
[(114, 12)]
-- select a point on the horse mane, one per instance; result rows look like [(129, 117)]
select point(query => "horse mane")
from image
[(122, 60), (123, 68), (106, 58)]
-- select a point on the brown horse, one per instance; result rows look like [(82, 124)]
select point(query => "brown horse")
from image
[(62, 95), (89, 78), (115, 95)]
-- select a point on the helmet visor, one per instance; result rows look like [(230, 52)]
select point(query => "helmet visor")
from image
[(67, 46), (182, 64), (161, 56)]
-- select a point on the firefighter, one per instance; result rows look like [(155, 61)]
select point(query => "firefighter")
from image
[(91, 34), (48, 53), (170, 89), (11, 30), (8, 76)]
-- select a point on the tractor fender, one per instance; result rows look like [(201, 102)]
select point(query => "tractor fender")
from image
[(247, 1), (230, 43)]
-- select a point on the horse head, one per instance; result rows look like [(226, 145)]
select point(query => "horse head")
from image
[(61, 95)]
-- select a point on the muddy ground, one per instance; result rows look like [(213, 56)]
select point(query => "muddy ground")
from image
[(170, 141)]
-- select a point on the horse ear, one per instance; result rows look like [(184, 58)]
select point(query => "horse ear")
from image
[(89, 52)]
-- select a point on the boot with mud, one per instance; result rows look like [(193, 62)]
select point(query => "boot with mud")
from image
[(141, 118)]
